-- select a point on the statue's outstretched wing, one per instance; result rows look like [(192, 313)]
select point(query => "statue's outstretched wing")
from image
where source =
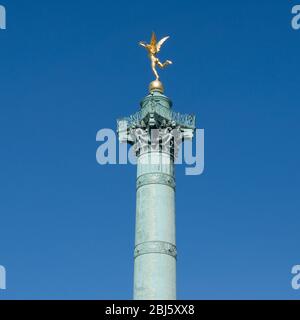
[(161, 42)]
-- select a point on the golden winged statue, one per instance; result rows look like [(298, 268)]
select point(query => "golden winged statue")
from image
[(153, 48)]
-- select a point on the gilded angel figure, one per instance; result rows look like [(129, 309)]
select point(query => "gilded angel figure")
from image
[(153, 48)]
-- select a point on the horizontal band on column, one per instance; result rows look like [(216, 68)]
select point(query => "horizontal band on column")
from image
[(155, 247), (156, 178)]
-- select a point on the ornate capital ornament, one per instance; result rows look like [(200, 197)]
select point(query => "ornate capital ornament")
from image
[(156, 126)]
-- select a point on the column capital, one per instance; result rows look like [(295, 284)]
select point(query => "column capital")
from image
[(156, 114)]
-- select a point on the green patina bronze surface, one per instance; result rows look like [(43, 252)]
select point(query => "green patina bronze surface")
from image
[(155, 236)]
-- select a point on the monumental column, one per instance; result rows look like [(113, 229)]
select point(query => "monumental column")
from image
[(155, 132)]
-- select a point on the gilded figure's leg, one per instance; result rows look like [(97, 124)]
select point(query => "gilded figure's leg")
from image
[(154, 70), (163, 65)]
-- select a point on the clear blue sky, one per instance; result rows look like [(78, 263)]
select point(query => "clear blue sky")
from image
[(70, 68)]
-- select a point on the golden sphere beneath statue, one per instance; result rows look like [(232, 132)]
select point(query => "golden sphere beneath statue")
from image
[(156, 85)]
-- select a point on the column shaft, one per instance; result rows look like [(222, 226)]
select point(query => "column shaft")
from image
[(155, 239)]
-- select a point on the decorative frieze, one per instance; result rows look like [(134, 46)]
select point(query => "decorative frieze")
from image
[(155, 247), (156, 178)]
